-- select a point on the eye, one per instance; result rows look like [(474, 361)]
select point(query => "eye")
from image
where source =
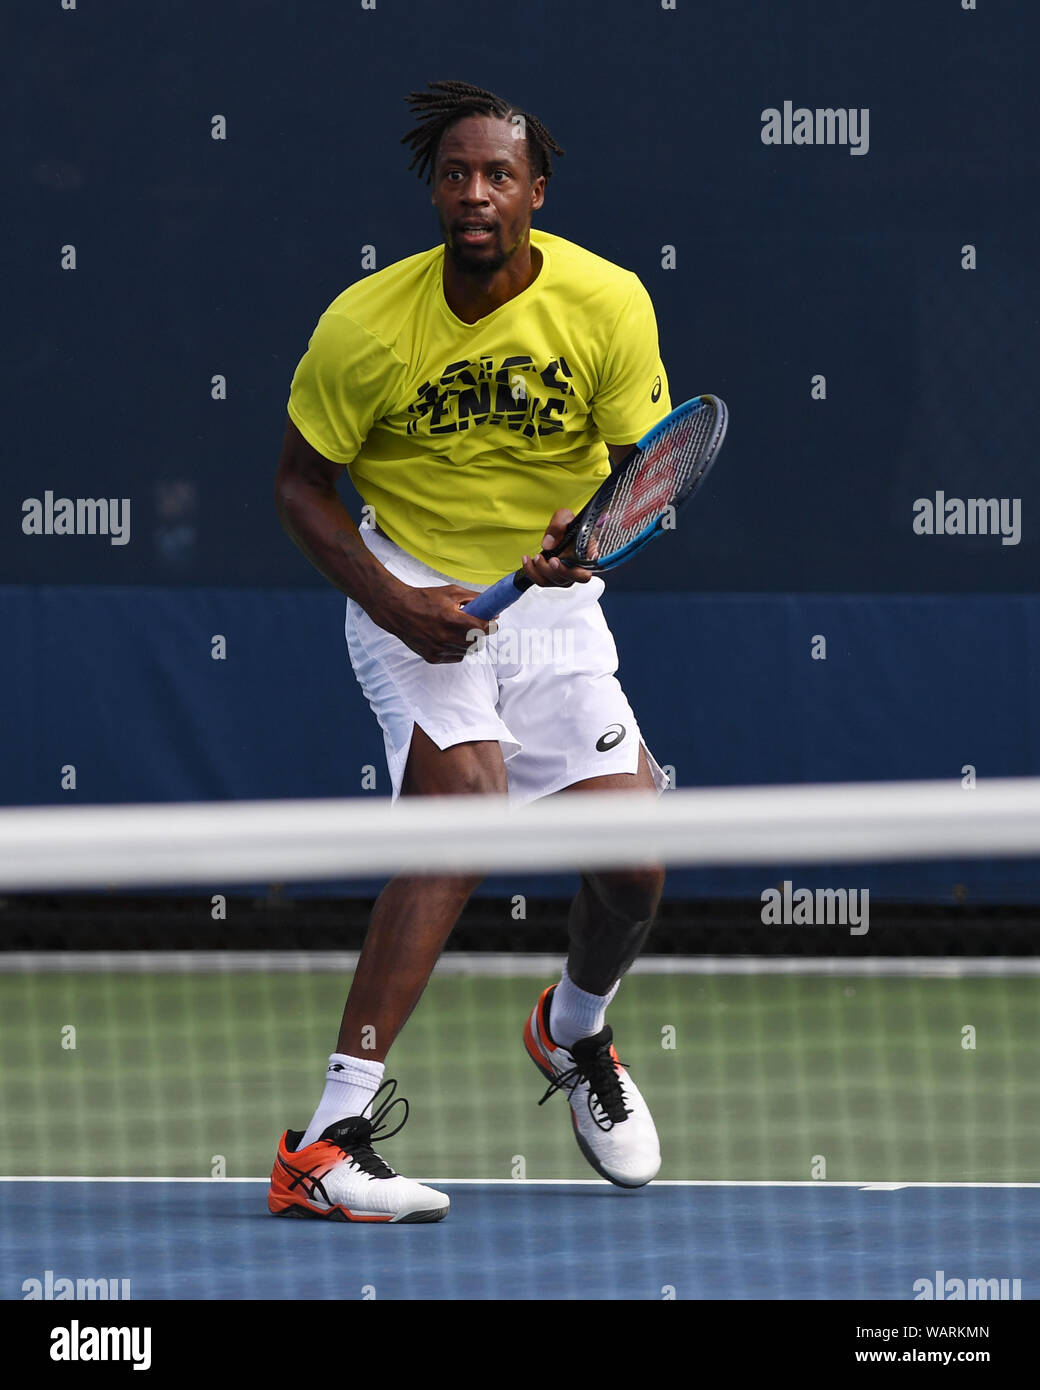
[(503, 172)]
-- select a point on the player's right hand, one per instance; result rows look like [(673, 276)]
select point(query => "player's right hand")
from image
[(432, 622)]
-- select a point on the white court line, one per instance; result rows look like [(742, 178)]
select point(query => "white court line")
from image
[(504, 963), (580, 1182)]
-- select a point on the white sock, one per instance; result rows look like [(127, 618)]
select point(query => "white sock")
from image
[(575, 1014), (350, 1083)]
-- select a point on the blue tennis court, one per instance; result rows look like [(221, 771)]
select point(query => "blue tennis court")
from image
[(215, 1240)]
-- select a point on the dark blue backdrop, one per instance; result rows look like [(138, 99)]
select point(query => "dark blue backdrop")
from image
[(121, 684), (198, 257)]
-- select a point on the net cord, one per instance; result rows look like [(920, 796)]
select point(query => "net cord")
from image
[(43, 848)]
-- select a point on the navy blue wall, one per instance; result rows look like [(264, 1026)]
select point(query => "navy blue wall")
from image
[(122, 684), (197, 257)]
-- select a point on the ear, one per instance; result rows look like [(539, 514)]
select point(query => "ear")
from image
[(538, 193)]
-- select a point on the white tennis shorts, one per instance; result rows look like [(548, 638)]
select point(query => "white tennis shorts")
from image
[(543, 686)]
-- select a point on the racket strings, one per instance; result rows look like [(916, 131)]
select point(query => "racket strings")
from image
[(661, 477)]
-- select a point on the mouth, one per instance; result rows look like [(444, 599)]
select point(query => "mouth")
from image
[(474, 233)]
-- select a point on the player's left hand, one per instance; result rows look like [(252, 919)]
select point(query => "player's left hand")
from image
[(550, 571)]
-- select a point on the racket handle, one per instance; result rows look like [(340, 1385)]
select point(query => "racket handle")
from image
[(492, 601)]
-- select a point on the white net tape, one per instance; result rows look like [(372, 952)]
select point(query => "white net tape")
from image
[(261, 842)]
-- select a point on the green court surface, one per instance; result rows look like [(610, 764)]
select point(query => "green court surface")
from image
[(748, 1076)]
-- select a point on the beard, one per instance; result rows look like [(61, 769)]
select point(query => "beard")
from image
[(469, 260)]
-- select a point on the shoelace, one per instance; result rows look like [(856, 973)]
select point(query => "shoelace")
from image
[(356, 1135), (604, 1087)]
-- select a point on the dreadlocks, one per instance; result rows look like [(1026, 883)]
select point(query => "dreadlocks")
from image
[(449, 102)]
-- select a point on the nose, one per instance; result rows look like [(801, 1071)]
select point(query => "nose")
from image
[(476, 190)]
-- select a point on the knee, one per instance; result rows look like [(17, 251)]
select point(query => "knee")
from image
[(631, 894), (455, 891), (438, 894)]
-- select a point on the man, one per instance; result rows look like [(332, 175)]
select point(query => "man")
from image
[(474, 392)]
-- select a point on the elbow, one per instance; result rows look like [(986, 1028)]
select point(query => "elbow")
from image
[(281, 493), (286, 495)]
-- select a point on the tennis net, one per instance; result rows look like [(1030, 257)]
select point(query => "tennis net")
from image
[(833, 1124)]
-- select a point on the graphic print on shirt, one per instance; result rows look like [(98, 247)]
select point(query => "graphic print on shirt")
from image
[(513, 392)]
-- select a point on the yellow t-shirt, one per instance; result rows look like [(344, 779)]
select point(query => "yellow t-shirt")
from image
[(465, 438)]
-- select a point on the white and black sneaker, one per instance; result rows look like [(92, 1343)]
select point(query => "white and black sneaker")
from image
[(340, 1177), (612, 1124)]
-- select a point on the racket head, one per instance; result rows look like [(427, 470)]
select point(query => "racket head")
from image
[(666, 467)]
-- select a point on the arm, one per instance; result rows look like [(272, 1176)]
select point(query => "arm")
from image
[(618, 452), (429, 621)]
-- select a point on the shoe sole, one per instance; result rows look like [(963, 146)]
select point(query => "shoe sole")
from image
[(535, 1054), (299, 1213)]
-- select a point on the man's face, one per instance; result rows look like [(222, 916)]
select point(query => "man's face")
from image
[(483, 193)]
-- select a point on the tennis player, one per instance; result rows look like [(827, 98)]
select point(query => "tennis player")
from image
[(476, 393)]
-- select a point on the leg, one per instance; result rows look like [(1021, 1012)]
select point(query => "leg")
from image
[(566, 1036), (331, 1170), (614, 910), (414, 916), (577, 732)]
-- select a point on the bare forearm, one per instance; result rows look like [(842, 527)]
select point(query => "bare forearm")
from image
[(323, 529), (431, 621)]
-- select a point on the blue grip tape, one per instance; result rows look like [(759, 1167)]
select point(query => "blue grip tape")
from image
[(493, 600)]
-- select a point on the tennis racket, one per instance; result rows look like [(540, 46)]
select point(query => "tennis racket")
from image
[(629, 508)]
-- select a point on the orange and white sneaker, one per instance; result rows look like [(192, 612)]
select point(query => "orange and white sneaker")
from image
[(612, 1124), (340, 1177)]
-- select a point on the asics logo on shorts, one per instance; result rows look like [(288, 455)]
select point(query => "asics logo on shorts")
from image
[(613, 736)]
